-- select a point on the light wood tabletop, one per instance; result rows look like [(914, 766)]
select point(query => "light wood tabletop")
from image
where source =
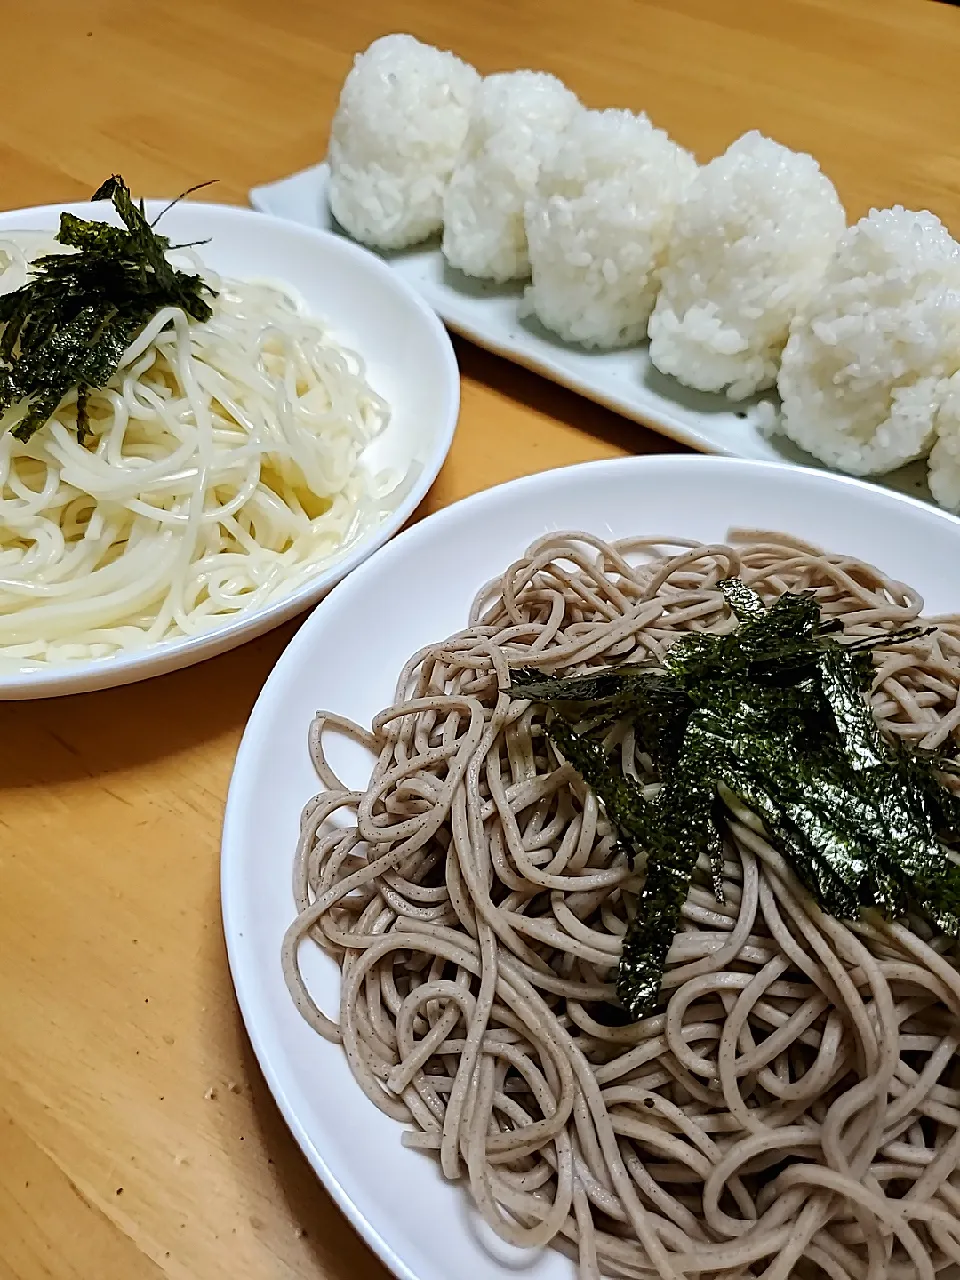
[(137, 1138)]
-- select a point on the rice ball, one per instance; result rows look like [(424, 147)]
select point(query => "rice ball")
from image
[(864, 371), (598, 227), (751, 240), (395, 138), (944, 465), (515, 124)]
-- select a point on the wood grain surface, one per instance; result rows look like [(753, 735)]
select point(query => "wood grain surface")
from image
[(137, 1139)]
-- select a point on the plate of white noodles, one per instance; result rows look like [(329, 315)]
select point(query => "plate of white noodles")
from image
[(209, 416), (433, 924)]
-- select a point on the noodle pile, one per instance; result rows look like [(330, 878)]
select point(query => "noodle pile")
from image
[(225, 469), (793, 1110)]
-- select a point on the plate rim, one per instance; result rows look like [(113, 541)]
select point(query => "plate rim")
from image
[(160, 658), (231, 898)]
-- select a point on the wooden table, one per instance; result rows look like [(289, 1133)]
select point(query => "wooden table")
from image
[(137, 1138)]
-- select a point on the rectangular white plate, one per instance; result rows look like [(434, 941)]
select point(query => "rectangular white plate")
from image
[(624, 381)]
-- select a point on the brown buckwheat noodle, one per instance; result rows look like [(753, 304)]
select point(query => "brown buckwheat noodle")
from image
[(795, 1108)]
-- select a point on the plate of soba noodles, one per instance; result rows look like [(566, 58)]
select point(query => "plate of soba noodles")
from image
[(207, 417), (591, 881)]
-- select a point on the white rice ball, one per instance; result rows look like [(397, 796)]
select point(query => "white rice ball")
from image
[(751, 240), (515, 124), (396, 135), (865, 369), (599, 224), (944, 465)]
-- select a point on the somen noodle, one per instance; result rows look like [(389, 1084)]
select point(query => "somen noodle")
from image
[(225, 468), (791, 1109)]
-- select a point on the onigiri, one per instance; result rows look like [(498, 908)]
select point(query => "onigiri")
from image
[(598, 226), (751, 241), (864, 371), (516, 123), (401, 122), (944, 465)]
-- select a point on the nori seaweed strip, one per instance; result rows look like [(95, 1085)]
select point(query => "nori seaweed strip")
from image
[(671, 858), (653, 700)]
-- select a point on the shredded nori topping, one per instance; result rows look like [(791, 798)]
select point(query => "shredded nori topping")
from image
[(68, 326), (774, 714)]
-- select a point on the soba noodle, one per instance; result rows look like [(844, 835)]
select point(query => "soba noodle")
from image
[(793, 1110), (225, 469)]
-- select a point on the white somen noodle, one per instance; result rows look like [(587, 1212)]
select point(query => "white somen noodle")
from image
[(793, 1109), (226, 466)]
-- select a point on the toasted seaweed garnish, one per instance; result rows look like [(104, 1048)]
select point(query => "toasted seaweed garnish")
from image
[(772, 714), (67, 328)]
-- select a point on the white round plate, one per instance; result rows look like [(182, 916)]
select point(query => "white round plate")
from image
[(346, 658), (410, 362)]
